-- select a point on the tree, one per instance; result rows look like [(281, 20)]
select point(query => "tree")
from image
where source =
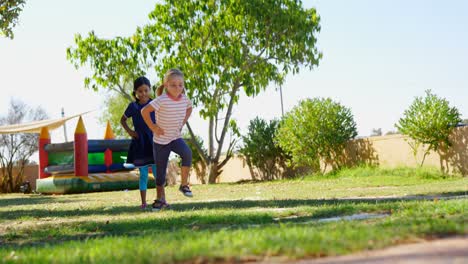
[(429, 121), (9, 12), (316, 131), (376, 132), (392, 133), (224, 47), (115, 63), (16, 149), (266, 160), (115, 105), (228, 47)]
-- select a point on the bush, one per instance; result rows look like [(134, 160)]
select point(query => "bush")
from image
[(428, 122), (266, 160), (315, 132)]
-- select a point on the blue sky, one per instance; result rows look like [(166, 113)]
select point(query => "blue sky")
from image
[(378, 55)]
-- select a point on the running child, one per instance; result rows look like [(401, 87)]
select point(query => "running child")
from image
[(141, 148), (172, 108)]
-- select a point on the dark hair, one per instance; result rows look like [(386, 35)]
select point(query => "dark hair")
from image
[(169, 74), (139, 82)]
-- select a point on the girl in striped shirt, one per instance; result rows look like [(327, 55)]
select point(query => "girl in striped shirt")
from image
[(172, 109)]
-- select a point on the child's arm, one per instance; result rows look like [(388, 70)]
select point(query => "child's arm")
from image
[(123, 122), (146, 114)]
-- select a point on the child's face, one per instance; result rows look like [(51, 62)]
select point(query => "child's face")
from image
[(175, 86), (143, 93)]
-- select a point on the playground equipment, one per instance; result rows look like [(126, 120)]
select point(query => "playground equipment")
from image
[(85, 165)]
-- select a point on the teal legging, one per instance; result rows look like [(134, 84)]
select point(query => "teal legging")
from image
[(144, 176)]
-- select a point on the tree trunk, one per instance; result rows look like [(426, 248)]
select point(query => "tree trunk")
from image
[(3, 179), (211, 138), (10, 187), (20, 176), (214, 172), (215, 168), (423, 159), (200, 171)]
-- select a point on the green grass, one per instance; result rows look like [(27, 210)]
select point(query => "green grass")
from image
[(236, 222)]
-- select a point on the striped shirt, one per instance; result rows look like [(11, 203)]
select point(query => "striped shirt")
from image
[(170, 114)]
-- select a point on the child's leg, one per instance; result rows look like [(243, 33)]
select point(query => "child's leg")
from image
[(161, 154), (180, 147), (160, 193), (143, 183), (184, 172)]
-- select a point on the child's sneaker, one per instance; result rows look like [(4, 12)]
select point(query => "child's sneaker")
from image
[(159, 205), (185, 189), (143, 206)]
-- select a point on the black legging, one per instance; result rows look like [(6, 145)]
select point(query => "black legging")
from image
[(161, 156)]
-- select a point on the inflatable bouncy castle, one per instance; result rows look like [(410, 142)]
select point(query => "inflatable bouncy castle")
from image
[(85, 165)]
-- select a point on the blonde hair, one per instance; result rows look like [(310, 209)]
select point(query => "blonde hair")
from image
[(169, 74)]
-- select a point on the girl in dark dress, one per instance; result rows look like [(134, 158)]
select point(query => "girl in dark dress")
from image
[(140, 152)]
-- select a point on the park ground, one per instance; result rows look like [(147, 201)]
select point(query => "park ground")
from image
[(300, 220)]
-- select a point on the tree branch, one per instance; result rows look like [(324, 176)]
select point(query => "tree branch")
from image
[(234, 90), (216, 128), (122, 91), (224, 162), (229, 154), (195, 143), (210, 138)]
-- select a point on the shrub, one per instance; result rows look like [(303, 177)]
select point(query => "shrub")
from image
[(315, 132), (428, 122), (266, 160)]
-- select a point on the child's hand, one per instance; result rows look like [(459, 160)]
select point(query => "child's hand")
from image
[(133, 134), (158, 131)]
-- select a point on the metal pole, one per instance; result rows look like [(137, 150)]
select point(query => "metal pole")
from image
[(281, 94), (64, 126)]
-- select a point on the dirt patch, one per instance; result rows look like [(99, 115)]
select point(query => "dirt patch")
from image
[(450, 250)]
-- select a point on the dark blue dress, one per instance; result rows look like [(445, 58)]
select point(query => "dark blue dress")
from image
[(140, 152)]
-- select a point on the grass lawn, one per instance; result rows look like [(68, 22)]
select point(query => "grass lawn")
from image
[(236, 222)]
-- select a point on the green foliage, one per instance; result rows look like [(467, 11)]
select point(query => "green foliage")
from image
[(429, 121), (316, 130), (266, 160), (233, 222), (115, 105), (225, 47), (417, 174), (115, 63), (9, 12), (222, 46)]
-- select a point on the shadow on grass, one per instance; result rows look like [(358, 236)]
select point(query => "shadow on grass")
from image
[(239, 204), (50, 235), (153, 225), (218, 205), (30, 200)]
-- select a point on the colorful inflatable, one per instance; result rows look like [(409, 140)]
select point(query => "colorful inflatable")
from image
[(85, 165)]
